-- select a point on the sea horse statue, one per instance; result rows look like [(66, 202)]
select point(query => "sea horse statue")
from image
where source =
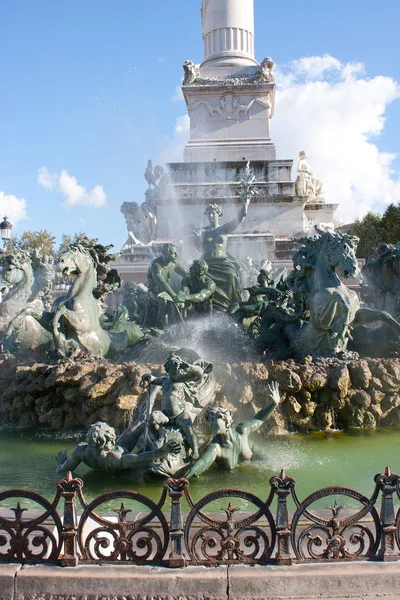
[(334, 309), (76, 323)]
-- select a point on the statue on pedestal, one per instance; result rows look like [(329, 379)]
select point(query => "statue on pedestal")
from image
[(307, 183)]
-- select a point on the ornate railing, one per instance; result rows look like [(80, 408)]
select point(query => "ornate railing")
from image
[(227, 526)]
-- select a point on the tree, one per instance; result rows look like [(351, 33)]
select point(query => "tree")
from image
[(390, 224), (67, 240), (42, 241), (369, 231), (373, 229)]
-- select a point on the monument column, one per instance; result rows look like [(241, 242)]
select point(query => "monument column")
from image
[(228, 32)]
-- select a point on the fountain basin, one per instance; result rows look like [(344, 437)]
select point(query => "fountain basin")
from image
[(316, 396)]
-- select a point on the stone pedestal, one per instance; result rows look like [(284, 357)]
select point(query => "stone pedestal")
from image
[(229, 123)]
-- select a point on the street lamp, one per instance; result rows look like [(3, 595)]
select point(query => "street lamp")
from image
[(5, 229)]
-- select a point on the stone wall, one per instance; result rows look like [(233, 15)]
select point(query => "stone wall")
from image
[(315, 395)]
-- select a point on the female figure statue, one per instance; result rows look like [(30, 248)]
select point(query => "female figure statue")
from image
[(307, 183), (212, 242), (222, 267)]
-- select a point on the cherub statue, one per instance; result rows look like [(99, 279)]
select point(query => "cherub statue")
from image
[(231, 446), (100, 451), (173, 404)]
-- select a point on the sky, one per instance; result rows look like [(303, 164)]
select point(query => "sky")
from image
[(90, 90)]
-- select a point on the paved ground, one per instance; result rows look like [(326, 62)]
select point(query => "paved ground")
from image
[(369, 580)]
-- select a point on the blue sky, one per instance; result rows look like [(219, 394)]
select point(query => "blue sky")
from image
[(88, 87)]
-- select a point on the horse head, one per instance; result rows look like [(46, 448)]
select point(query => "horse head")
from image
[(339, 252), (16, 269), (75, 261)]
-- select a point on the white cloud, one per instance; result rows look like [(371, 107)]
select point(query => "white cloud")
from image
[(68, 186), (14, 208), (328, 109), (335, 113)]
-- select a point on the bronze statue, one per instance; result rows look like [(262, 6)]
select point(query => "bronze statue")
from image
[(231, 446), (100, 451), (212, 241), (173, 404), (159, 276), (198, 288)]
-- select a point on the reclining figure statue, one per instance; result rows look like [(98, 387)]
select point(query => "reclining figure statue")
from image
[(231, 446)]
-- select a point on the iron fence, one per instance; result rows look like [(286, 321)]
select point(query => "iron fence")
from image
[(228, 526)]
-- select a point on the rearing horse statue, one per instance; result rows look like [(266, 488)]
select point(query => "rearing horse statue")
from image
[(334, 309), (76, 322), (18, 279)]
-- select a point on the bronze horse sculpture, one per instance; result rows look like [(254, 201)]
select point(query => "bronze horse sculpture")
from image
[(334, 309), (77, 320)]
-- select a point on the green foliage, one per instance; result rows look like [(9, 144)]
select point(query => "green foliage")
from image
[(373, 229), (391, 224), (369, 231), (42, 241), (67, 240)]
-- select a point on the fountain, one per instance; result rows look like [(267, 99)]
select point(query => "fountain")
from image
[(298, 362)]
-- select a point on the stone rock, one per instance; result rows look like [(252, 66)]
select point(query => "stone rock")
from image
[(304, 396), (390, 401), (102, 387), (358, 418), (360, 374), (389, 384), (87, 382), (247, 395), (339, 379), (276, 425), (323, 417), (376, 410), (288, 380), (308, 408), (375, 383), (376, 396), (70, 393), (393, 368), (128, 402), (291, 407), (369, 419), (392, 418), (361, 399), (54, 418), (29, 400), (313, 378), (73, 374), (256, 371), (28, 420)]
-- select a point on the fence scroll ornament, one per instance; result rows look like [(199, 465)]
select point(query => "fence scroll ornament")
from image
[(228, 526)]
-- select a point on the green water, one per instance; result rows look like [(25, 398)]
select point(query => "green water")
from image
[(315, 460)]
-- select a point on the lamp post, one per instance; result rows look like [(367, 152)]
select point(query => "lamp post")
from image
[(5, 229)]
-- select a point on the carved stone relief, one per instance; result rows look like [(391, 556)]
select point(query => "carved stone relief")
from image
[(228, 108)]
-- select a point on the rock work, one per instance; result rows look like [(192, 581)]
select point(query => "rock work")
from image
[(317, 396)]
